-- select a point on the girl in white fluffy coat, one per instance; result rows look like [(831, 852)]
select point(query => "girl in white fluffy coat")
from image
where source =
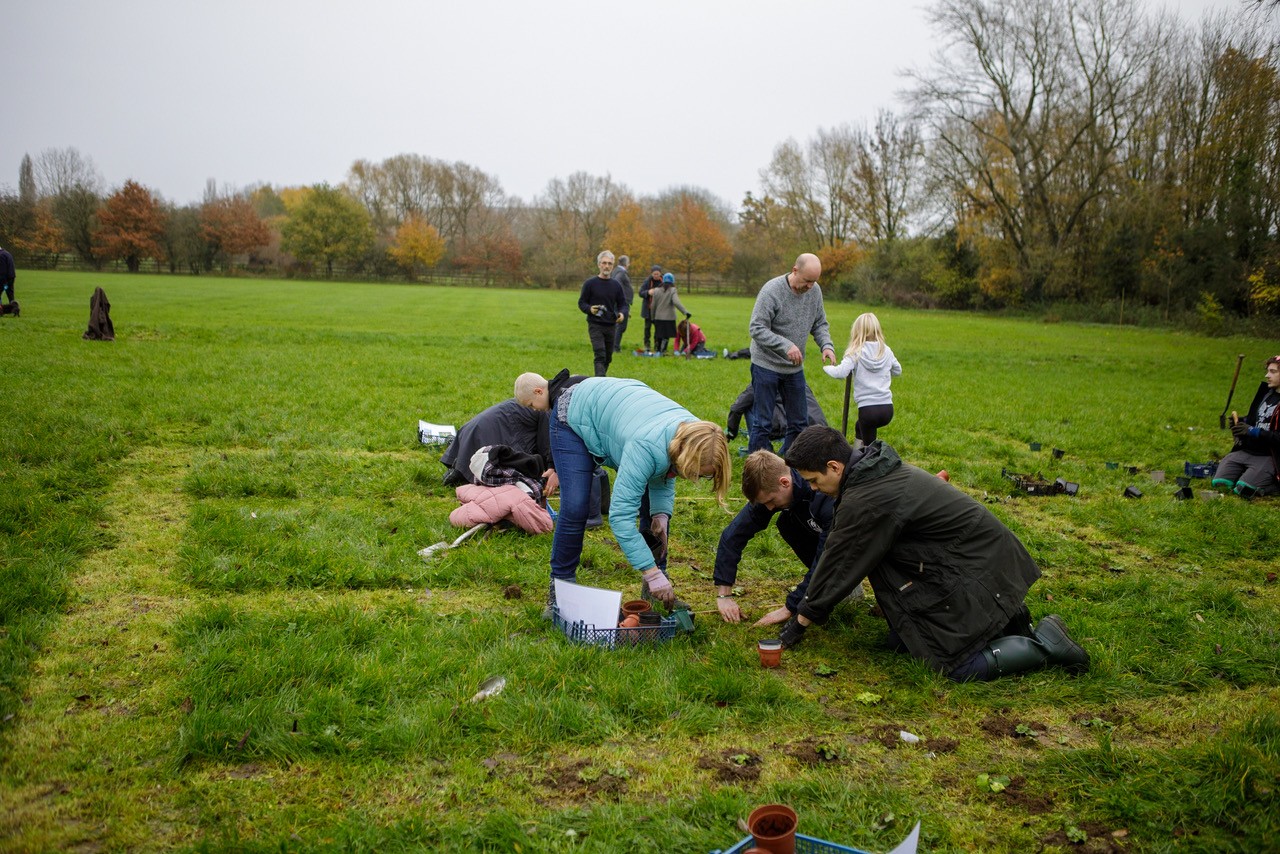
[(873, 366)]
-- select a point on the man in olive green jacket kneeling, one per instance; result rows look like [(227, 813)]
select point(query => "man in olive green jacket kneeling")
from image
[(950, 578)]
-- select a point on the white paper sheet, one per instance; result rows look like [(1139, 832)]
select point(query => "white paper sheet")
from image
[(590, 605), (911, 843), (436, 434)]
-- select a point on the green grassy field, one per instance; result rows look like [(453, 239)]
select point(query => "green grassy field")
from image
[(215, 631)]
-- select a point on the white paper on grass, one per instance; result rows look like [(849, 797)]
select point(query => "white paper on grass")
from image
[(911, 843), (590, 605), (436, 434)]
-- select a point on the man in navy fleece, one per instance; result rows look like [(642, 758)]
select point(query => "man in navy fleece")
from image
[(601, 300)]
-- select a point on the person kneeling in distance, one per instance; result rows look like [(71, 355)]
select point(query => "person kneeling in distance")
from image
[(950, 578)]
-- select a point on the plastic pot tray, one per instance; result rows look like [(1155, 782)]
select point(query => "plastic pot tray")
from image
[(1200, 469), (613, 636), (804, 845)]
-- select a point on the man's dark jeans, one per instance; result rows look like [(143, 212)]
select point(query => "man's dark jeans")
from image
[(767, 385)]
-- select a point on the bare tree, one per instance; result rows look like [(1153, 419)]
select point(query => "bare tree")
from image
[(73, 184), (571, 219), (887, 177), (60, 170), (1029, 107)]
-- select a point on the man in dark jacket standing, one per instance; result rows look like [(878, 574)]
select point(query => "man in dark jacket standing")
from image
[(601, 301), (623, 278), (646, 302), (949, 576)]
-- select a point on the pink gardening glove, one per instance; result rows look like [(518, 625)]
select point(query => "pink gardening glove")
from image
[(660, 586)]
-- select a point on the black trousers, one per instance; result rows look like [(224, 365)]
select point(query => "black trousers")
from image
[(648, 332), (621, 329), (7, 289), (602, 341), (871, 418)]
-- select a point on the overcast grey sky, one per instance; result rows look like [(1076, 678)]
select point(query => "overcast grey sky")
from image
[(171, 93)]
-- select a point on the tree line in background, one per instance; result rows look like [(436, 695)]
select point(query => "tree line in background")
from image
[(1057, 151)]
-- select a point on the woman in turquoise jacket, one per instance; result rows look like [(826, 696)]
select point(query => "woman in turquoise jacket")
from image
[(649, 440)]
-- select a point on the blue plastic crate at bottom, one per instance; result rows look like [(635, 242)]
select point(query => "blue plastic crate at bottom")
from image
[(612, 637), (1200, 469), (804, 845)]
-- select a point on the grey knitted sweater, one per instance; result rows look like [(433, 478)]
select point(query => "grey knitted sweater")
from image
[(782, 317)]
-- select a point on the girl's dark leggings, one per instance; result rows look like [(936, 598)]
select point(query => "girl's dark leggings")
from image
[(871, 418)]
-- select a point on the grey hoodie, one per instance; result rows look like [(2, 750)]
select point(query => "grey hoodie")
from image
[(871, 374)]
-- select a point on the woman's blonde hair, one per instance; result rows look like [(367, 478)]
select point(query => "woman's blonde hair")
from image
[(865, 328), (696, 444)]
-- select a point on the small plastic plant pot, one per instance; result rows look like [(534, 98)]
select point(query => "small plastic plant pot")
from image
[(1058, 453), (770, 652), (635, 606), (1035, 446), (773, 828)]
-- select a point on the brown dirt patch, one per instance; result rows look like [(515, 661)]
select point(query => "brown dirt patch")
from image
[(1016, 794), (733, 765), (942, 745), (512, 591), (1000, 724), (583, 779), (1100, 840), (812, 751), (887, 734), (1112, 715)]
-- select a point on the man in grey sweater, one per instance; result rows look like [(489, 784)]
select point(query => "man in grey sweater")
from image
[(788, 310)]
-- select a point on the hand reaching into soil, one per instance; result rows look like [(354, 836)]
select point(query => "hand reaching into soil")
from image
[(728, 608), (774, 617)]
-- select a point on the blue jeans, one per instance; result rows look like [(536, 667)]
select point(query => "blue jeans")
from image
[(576, 469), (767, 385)]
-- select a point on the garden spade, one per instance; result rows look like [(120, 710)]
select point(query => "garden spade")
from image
[(442, 546), (1222, 419)]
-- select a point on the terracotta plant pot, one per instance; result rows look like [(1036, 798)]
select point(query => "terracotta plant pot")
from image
[(630, 621), (635, 606), (773, 828), (770, 652)]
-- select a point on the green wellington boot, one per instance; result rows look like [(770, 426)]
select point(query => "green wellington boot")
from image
[(1051, 647)]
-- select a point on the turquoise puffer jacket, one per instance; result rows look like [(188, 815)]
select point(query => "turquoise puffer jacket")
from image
[(627, 426)]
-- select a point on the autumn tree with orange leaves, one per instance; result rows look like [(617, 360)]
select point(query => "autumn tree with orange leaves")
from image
[(628, 235), (690, 240), (130, 226), (231, 226), (491, 254)]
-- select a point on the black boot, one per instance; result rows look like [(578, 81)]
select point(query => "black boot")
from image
[(1051, 646)]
